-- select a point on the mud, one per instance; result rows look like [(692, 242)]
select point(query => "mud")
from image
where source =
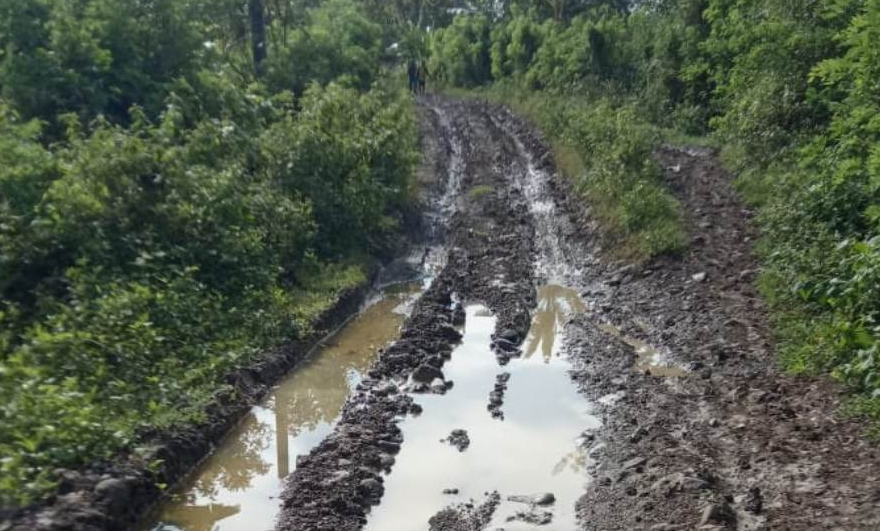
[(731, 442), (490, 248), (695, 425), (698, 427)]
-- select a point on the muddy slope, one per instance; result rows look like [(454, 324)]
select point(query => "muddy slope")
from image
[(733, 443)]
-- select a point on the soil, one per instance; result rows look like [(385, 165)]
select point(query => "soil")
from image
[(728, 441), (716, 438)]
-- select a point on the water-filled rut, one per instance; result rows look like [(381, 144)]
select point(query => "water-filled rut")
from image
[(534, 447), (237, 487)]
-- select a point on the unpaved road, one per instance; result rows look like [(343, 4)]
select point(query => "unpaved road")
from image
[(699, 429)]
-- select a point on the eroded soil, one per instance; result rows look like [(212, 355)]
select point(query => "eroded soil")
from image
[(699, 428)]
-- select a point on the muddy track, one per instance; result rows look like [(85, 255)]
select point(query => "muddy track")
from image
[(700, 430)]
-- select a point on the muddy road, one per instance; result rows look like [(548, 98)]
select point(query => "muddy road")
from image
[(530, 381), (670, 412)]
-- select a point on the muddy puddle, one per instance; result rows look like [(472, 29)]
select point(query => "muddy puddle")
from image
[(649, 359), (534, 449), (236, 488)]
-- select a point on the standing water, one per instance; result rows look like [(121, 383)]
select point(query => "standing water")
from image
[(534, 449), (236, 488)]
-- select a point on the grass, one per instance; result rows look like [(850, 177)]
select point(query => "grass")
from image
[(606, 152), (480, 191)]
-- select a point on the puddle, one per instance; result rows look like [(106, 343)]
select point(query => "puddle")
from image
[(533, 450), (650, 360), (236, 488), (555, 305)]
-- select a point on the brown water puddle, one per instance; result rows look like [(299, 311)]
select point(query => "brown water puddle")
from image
[(236, 488), (533, 450), (650, 360)]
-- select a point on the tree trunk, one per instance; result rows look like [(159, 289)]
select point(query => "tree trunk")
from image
[(258, 34)]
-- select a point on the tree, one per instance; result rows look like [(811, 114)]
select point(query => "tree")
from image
[(258, 34)]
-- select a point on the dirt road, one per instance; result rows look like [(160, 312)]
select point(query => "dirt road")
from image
[(697, 428)]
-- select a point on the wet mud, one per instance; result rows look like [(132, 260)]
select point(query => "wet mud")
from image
[(691, 424), (701, 430)]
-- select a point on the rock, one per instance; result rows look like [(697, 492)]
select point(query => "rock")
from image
[(451, 492), (386, 389), (754, 501), (532, 517), (114, 494), (371, 489), (509, 334), (718, 513), (635, 463), (386, 461), (435, 361), (458, 314), (699, 277), (389, 447), (505, 345), (459, 439), (425, 374), (545, 498)]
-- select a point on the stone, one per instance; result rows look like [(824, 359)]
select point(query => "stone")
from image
[(699, 277), (425, 374), (459, 439), (509, 334), (371, 489), (717, 513), (114, 494), (634, 463), (544, 498)]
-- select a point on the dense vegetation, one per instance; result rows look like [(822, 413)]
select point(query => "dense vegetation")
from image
[(171, 204), (185, 182), (789, 88)]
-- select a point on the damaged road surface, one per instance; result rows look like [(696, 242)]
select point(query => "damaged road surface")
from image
[(538, 384)]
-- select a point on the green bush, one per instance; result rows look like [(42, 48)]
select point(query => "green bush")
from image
[(141, 264)]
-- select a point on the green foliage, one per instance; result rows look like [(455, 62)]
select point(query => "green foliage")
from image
[(93, 56), (460, 53), (165, 219), (338, 43)]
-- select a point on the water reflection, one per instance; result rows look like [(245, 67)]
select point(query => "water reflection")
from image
[(555, 303), (235, 488), (533, 450)]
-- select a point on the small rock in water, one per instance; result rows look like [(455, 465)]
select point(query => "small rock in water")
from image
[(371, 489), (532, 517), (509, 334), (699, 277), (458, 439), (546, 498)]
